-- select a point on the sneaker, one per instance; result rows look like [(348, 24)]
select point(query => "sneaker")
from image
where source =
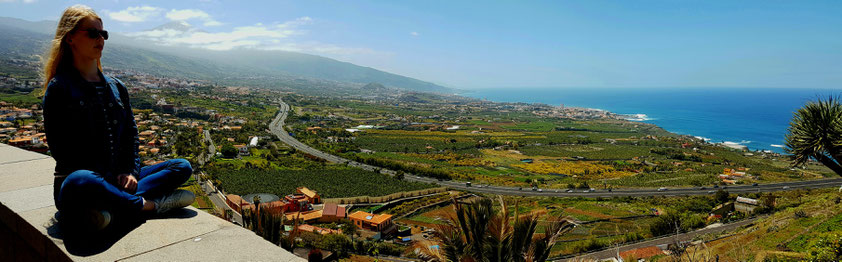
[(177, 199), (96, 219)]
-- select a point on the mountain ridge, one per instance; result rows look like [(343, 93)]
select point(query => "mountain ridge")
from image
[(276, 67)]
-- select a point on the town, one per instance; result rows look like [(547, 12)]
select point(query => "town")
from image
[(246, 175)]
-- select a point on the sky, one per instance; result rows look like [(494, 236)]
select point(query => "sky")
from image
[(508, 44)]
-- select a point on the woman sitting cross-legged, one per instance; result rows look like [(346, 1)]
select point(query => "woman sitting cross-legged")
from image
[(93, 137)]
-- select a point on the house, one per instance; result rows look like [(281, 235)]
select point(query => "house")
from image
[(295, 203), (745, 205), (318, 230), (742, 204), (311, 195), (379, 223), (242, 149), (304, 216), (333, 213), (20, 142), (235, 202)]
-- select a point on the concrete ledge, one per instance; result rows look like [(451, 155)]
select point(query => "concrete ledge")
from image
[(28, 230)]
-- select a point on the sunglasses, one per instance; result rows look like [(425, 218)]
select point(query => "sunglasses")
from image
[(93, 33)]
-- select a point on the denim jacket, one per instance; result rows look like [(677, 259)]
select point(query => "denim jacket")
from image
[(88, 132)]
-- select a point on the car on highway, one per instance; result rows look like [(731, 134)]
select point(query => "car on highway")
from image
[(702, 188), (755, 184), (786, 187), (662, 189), (569, 191), (540, 190), (710, 191)]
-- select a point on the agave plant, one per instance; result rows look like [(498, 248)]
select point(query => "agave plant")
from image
[(476, 233), (815, 131)]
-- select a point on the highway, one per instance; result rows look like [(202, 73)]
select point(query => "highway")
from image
[(276, 127)]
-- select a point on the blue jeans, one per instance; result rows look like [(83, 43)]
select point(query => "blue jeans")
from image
[(85, 189)]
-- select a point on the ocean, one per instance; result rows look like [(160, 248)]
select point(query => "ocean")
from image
[(755, 117)]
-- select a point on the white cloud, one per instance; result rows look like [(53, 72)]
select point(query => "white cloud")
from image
[(297, 22), (135, 14), (414, 34), (212, 22), (275, 36), (188, 14), (14, 1), (254, 36)]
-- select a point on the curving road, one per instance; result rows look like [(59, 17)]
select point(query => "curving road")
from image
[(276, 127)]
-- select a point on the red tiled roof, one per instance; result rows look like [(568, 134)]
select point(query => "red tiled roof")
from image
[(307, 192), (330, 209), (340, 212), (374, 219)]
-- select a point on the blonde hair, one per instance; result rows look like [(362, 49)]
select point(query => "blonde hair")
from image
[(59, 56)]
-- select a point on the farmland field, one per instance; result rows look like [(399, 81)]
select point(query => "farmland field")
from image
[(517, 148), (330, 182)]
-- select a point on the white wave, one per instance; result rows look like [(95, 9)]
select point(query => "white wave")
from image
[(778, 146), (702, 138), (638, 117), (734, 145), (745, 142)]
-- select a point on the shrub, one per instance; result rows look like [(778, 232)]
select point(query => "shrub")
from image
[(590, 245)]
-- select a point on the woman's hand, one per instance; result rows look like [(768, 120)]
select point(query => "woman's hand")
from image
[(127, 182)]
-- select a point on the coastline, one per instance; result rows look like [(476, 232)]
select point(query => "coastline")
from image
[(736, 123)]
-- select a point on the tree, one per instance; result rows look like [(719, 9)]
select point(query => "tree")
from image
[(815, 131), (228, 151), (478, 233), (722, 196), (665, 224), (348, 228), (336, 242)]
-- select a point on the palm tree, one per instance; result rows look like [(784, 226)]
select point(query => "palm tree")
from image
[(815, 131), (477, 233)]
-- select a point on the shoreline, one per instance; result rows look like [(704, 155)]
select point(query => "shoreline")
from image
[(743, 144)]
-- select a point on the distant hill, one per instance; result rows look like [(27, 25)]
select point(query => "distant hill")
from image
[(21, 38)]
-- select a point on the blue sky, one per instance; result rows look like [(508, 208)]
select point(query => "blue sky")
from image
[(474, 44)]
